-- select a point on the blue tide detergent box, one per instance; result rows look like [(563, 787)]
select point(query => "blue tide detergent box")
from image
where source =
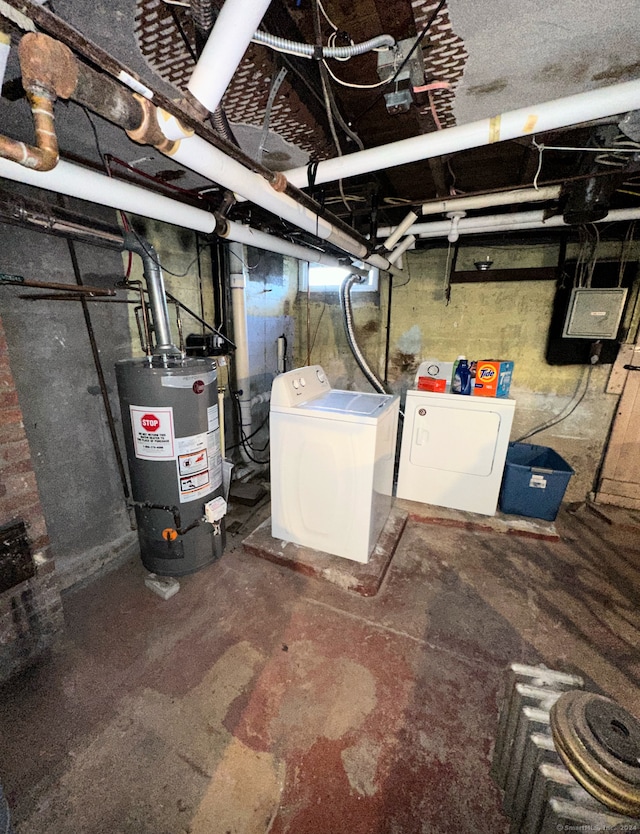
[(493, 378)]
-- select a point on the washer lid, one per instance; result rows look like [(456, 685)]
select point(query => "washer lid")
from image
[(348, 403)]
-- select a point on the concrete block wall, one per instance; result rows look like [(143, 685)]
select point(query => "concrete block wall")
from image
[(57, 387), (30, 612)]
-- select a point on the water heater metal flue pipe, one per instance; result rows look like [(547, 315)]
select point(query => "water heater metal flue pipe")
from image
[(155, 288)]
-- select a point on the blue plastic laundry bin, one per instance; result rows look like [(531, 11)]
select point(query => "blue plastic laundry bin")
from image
[(534, 482)]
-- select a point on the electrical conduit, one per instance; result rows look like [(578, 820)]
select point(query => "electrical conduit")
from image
[(308, 50)]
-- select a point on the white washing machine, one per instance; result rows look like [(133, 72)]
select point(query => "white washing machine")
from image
[(332, 461), (454, 450)]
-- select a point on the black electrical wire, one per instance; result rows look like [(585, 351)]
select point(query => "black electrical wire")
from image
[(95, 136), (183, 34), (253, 434), (559, 419), (243, 437), (247, 437), (424, 31)]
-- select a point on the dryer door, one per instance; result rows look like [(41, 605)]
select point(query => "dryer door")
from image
[(454, 439)]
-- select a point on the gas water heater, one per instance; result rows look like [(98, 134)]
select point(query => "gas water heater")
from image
[(169, 405)]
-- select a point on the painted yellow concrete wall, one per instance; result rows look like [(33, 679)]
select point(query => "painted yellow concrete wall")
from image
[(508, 320), (321, 339)]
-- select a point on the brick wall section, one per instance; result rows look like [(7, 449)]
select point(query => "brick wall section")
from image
[(31, 612)]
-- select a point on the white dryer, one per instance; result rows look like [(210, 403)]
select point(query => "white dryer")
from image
[(332, 461), (454, 450)]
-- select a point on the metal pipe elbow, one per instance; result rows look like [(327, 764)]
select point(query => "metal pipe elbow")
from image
[(47, 64), (44, 155)]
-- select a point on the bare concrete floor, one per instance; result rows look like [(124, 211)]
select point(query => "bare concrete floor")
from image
[(258, 699)]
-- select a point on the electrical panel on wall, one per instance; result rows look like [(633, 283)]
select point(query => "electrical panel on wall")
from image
[(594, 313), (588, 321)]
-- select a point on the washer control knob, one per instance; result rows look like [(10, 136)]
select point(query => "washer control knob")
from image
[(303, 381), (295, 384), (321, 376)]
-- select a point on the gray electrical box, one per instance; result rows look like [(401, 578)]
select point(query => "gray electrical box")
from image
[(399, 98), (594, 313)]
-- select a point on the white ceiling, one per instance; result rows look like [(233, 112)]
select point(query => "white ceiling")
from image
[(523, 53)]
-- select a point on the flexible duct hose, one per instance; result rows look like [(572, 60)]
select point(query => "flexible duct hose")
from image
[(347, 314), (308, 50), (221, 124)]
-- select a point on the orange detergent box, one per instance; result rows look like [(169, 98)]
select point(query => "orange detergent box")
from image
[(493, 378)]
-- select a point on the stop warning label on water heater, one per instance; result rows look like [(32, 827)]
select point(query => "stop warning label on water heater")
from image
[(152, 432)]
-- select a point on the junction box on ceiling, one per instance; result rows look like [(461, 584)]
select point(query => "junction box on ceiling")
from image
[(400, 96)]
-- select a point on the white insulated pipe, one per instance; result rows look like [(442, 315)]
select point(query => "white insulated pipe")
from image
[(221, 422), (240, 233), (538, 118), (237, 282), (512, 222), (199, 156), (76, 181), (5, 49), (224, 49), (407, 243), (85, 184), (400, 230), (502, 198)]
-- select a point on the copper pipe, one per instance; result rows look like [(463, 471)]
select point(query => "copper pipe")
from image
[(48, 70), (73, 296), (18, 281), (89, 51), (44, 156)]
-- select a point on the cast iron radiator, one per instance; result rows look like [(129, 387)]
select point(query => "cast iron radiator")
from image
[(565, 759)]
